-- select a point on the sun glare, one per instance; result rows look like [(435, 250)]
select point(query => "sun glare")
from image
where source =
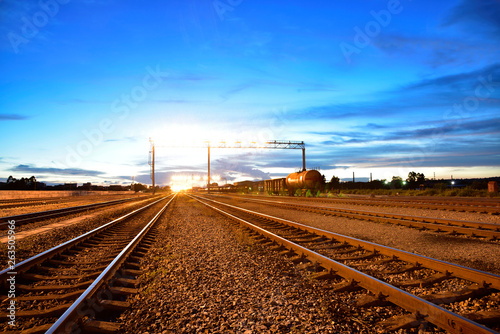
[(180, 187)]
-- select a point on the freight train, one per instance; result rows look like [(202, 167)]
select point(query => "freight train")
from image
[(304, 180)]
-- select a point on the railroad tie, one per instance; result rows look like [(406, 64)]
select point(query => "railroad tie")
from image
[(490, 317), (95, 326), (346, 286), (473, 291), (402, 322), (372, 300), (425, 281)]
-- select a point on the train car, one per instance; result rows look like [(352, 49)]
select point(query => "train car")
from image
[(307, 179), (275, 186)]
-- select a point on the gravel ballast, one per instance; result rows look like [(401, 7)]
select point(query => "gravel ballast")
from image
[(204, 275), (466, 251)]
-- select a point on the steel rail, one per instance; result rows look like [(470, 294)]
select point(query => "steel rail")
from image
[(87, 298), (434, 206), (443, 221), (456, 270), (473, 202), (6, 204), (490, 206), (19, 219), (432, 313), (39, 258), (24, 200), (28, 203), (487, 230)]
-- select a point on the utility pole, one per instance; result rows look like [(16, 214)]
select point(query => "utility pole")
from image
[(275, 144), (208, 179), (304, 159), (152, 163), (153, 170)]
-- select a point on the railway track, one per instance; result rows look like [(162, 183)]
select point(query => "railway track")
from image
[(36, 216), (483, 205), (84, 280), (25, 200), (450, 226), (17, 204), (430, 290)]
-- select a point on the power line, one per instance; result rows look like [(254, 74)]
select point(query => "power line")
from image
[(274, 144)]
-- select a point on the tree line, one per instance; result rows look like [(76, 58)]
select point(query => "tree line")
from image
[(24, 183), (413, 181)]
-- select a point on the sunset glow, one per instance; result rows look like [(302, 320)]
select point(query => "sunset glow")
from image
[(371, 87)]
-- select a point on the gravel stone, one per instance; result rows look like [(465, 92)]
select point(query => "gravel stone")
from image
[(205, 275), (463, 250)]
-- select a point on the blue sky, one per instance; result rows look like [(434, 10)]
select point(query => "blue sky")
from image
[(381, 87)]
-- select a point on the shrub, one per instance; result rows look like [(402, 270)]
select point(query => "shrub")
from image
[(440, 186), (467, 192), (308, 193)]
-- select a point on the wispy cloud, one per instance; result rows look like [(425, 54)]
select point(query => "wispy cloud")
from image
[(371, 126), (461, 81), (240, 165), (439, 130), (238, 88), (55, 171), (274, 82), (13, 117), (465, 127), (83, 101), (129, 139), (190, 77), (477, 14), (436, 93), (467, 36)]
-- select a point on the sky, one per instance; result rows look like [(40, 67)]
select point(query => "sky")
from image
[(380, 87)]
